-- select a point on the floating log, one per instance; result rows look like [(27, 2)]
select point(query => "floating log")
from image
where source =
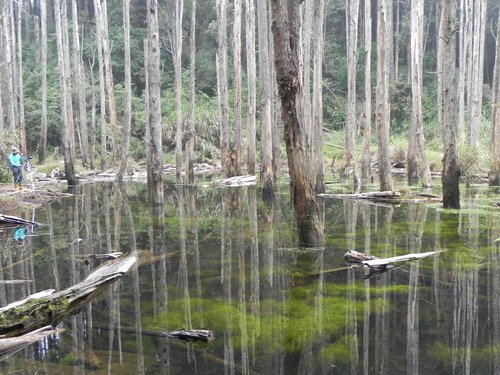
[(375, 195), (8, 220), (50, 307), (191, 334), (238, 181), (373, 262)]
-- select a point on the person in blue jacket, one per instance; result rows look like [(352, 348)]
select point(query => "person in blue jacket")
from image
[(16, 166)]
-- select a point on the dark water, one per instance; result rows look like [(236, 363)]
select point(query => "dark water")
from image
[(226, 260)]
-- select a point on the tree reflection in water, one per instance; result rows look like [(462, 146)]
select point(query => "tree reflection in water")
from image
[(226, 260)]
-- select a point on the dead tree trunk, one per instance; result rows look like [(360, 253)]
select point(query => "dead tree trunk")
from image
[(303, 188), (451, 172)]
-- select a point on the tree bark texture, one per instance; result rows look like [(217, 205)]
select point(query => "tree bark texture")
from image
[(20, 91), (451, 172), (177, 54), (154, 105), (236, 152), (303, 189)]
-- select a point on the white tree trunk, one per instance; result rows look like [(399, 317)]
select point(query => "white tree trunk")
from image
[(42, 146), (20, 91), (495, 117), (384, 25), (237, 85), (192, 97), (177, 54), (366, 163), (251, 83)]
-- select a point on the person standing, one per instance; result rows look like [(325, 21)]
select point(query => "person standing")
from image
[(16, 164)]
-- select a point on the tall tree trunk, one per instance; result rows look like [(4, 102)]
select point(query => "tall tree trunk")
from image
[(192, 97), (303, 188), (236, 153), (102, 93), (177, 54), (366, 163), (222, 85), (266, 168), (127, 120), (13, 66), (80, 82), (65, 89), (154, 107), (108, 71), (352, 17), (251, 82), (417, 160), (9, 56), (317, 107), (477, 60), (42, 146), (92, 115), (451, 172), (383, 107), (305, 64), (495, 117), (20, 91)]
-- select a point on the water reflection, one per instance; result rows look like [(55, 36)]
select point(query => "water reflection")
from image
[(225, 260)]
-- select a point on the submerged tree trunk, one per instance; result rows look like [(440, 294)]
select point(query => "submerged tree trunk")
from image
[(154, 105), (451, 172), (495, 117), (303, 188)]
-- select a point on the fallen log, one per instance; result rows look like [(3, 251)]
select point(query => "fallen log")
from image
[(375, 195), (8, 220), (238, 181), (191, 334), (50, 307), (11, 345)]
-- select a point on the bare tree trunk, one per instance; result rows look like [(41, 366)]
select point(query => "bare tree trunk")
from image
[(80, 81), (192, 97), (13, 66), (127, 120), (222, 85), (65, 88), (366, 163), (42, 146), (305, 64), (477, 60), (102, 94), (251, 74), (463, 58), (108, 70), (154, 107), (352, 18), (303, 187), (20, 91), (417, 160), (383, 112), (494, 176), (266, 168), (9, 55), (317, 107), (177, 54), (92, 115), (236, 152), (451, 173)]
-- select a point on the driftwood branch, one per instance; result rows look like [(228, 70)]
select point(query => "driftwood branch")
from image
[(14, 220), (238, 181), (376, 195), (11, 345)]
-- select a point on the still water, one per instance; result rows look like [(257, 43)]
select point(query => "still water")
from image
[(225, 259)]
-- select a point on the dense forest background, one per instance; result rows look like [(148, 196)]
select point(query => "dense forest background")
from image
[(23, 70)]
